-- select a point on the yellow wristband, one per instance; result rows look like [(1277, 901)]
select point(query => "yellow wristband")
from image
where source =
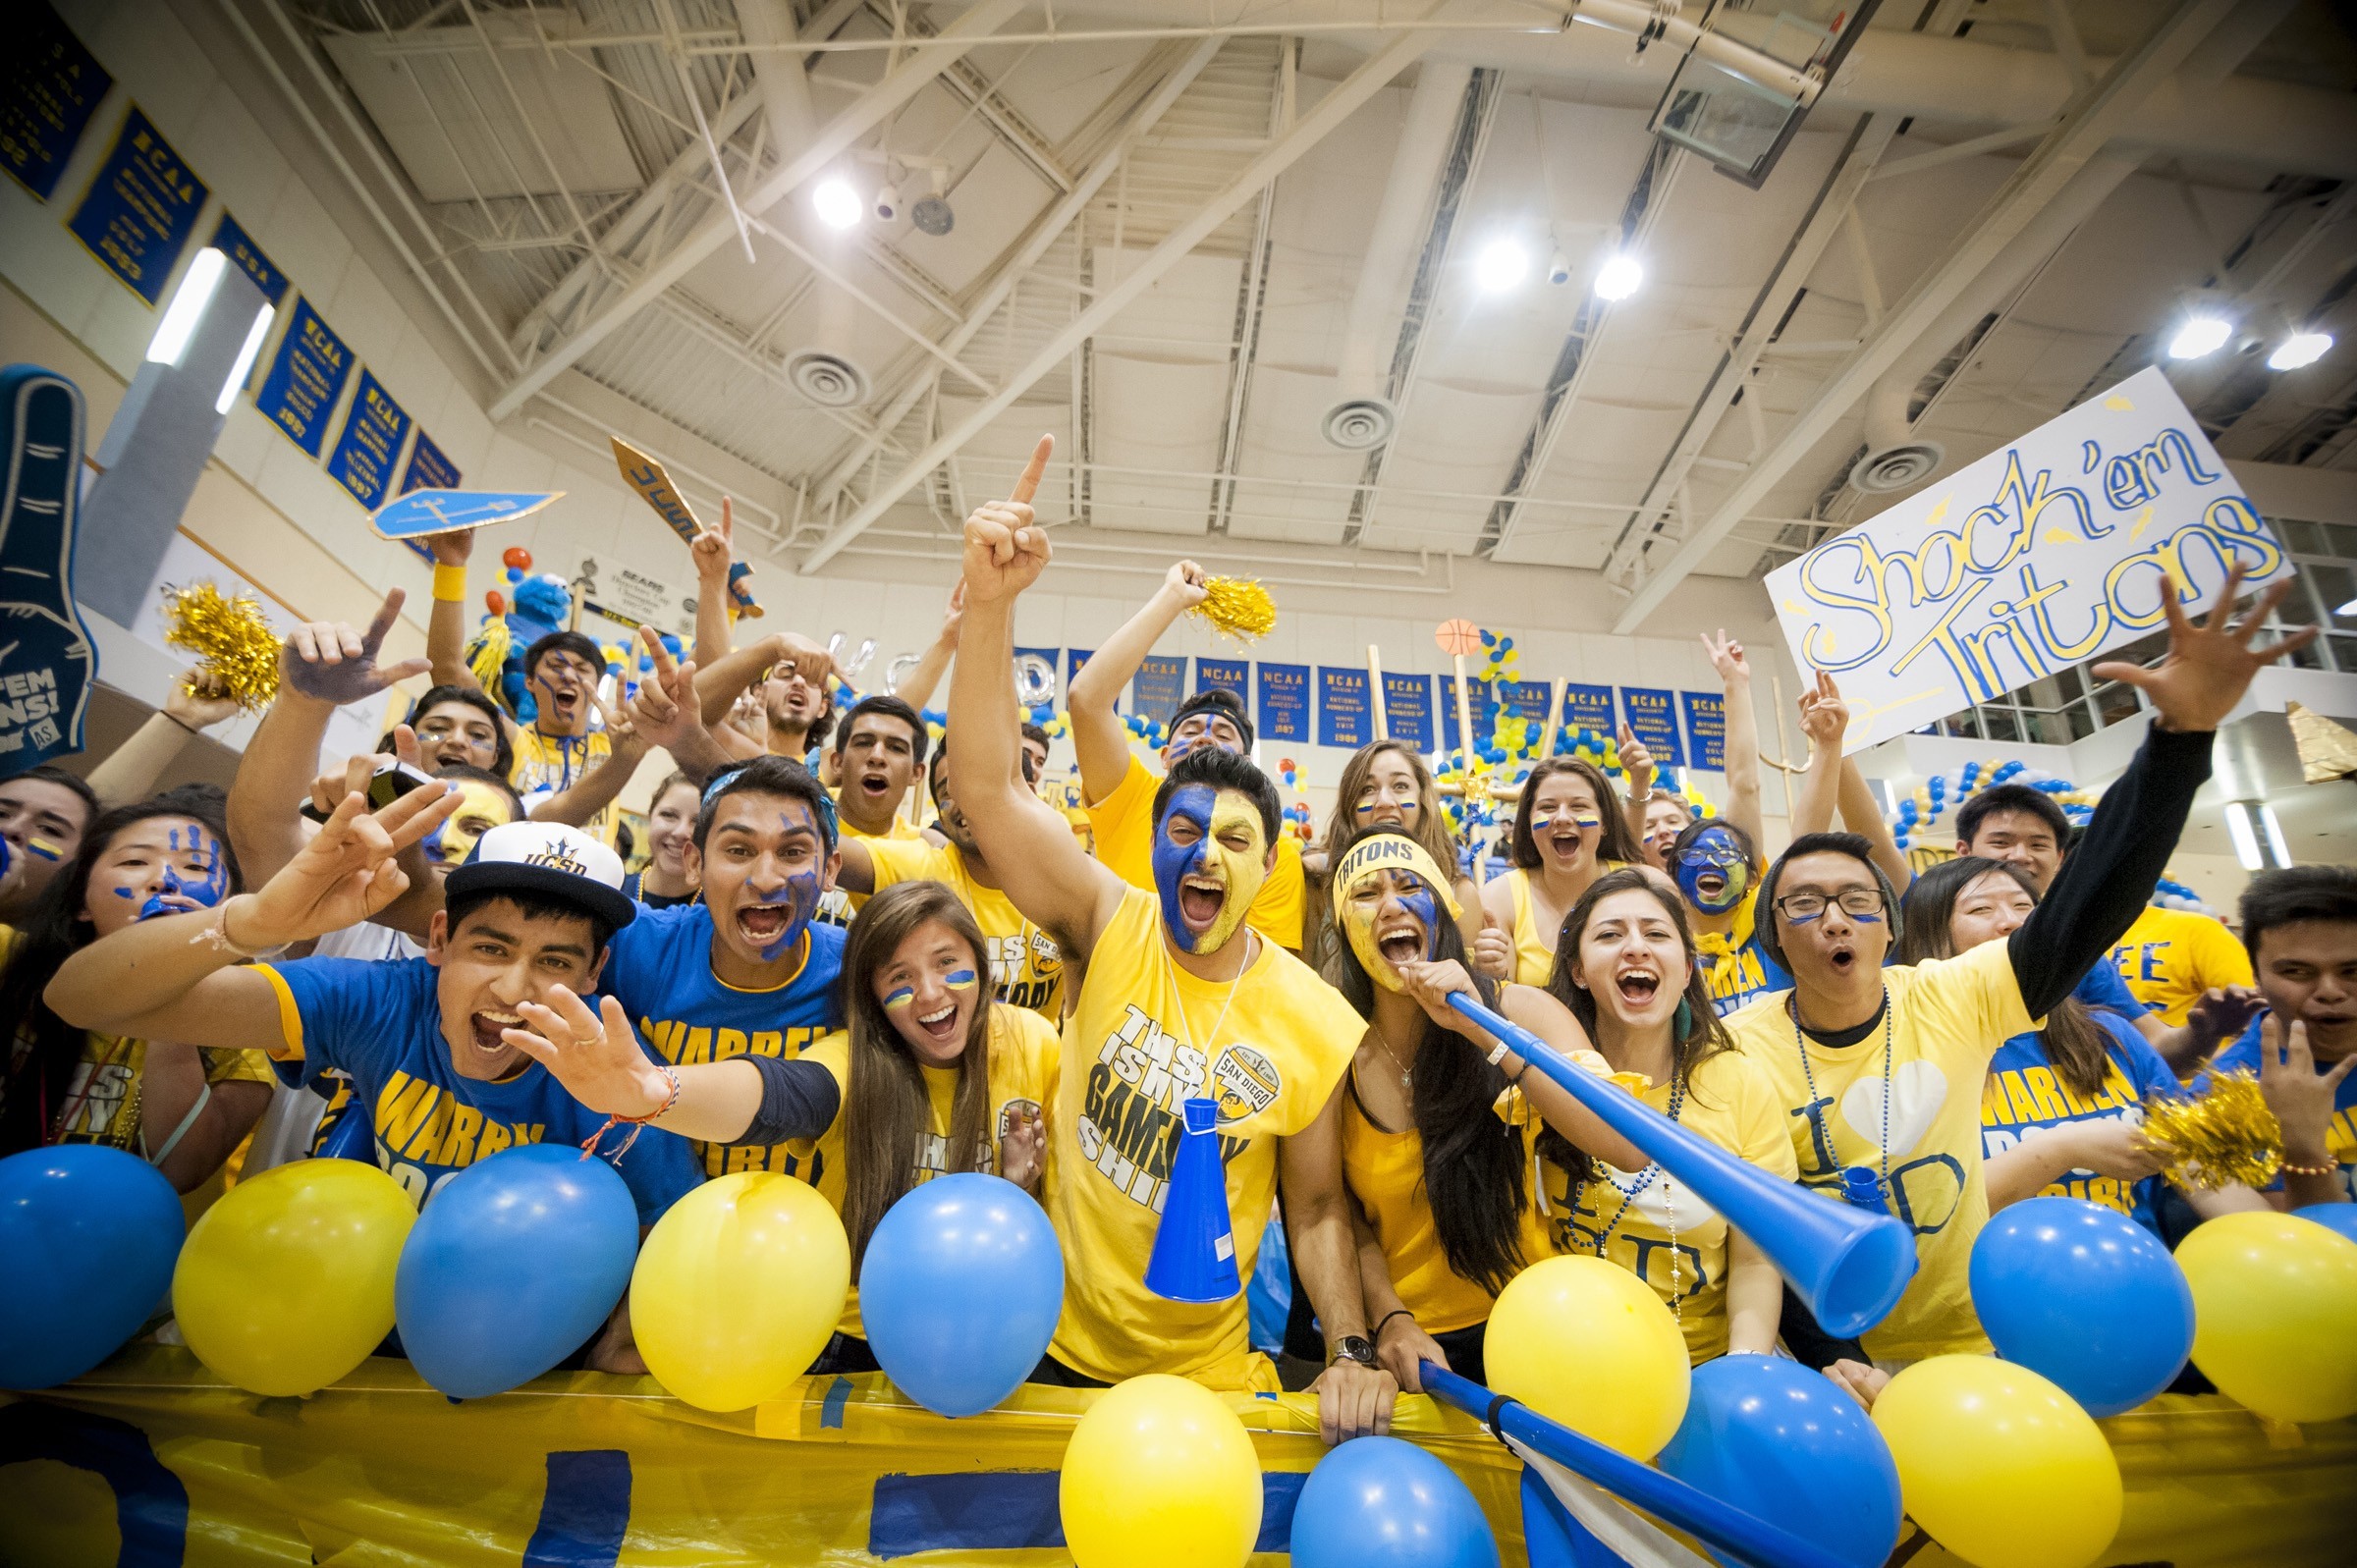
[(450, 583)]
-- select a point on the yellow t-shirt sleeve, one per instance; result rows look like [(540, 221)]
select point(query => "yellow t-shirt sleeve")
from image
[(905, 860), (833, 1053), (1276, 913), (237, 1066), (1967, 1006), (1759, 1122), (1123, 826)]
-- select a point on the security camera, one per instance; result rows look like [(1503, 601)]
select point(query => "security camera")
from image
[(888, 203), (1558, 270)]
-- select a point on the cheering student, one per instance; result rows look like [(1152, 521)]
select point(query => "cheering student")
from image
[(931, 1077), (1385, 787), (1879, 1069), (2063, 1104), (44, 812), (161, 1094), (1568, 830), (670, 814), (1630, 975), (879, 747), (1025, 965), (1442, 1124), (457, 726), (795, 681), (1181, 999), (1120, 790), (2301, 927)]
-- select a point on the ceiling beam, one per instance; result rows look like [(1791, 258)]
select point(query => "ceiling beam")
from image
[(1306, 133), (927, 61), (2091, 122)]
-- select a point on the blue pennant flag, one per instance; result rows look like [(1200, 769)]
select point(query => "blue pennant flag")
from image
[(424, 511)]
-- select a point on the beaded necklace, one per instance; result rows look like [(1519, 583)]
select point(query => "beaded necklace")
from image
[(1628, 1195), (1851, 1184)]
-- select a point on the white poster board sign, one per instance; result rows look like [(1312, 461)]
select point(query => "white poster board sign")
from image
[(2049, 551), (629, 597)]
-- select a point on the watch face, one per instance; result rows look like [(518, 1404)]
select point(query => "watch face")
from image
[(1354, 1348)]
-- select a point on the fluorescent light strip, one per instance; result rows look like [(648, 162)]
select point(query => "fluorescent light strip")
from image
[(189, 304), (246, 357)]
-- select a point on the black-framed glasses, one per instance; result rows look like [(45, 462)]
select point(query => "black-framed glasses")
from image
[(1861, 902)]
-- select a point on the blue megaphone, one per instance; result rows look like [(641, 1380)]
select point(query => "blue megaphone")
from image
[(1849, 1264), (1195, 1250)]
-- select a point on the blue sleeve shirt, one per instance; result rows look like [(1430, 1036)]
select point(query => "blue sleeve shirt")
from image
[(660, 969), (380, 1023), (2104, 989), (2023, 1097)]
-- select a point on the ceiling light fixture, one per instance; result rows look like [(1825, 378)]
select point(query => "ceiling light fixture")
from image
[(1619, 278), (837, 203), (2300, 348), (189, 301), (2201, 335), (1501, 264)]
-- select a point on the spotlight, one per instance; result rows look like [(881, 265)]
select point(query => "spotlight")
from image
[(191, 300), (2199, 336), (1620, 277), (2300, 348), (1501, 264), (837, 203), (1559, 268), (887, 204)]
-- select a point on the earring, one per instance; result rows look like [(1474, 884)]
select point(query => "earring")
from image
[(1683, 1024)]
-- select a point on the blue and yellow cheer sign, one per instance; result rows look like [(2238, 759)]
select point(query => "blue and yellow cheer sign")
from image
[(424, 511), (2053, 550)]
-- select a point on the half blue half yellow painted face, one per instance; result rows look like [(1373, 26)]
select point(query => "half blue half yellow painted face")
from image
[(1711, 872), (1211, 856), (1389, 896)]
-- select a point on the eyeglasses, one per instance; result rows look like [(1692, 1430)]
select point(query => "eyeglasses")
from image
[(1864, 904), (1723, 855)]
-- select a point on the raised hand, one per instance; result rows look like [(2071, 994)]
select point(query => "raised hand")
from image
[(1637, 761), (714, 549), (622, 731), (2223, 1012), (1188, 583), (199, 702), (814, 664), (1023, 1148), (2209, 664), (346, 871), (1823, 716), (1494, 948), (332, 663), (1726, 657), (2301, 1098), (595, 1056), (1005, 552), (953, 616), (663, 711), (452, 549)]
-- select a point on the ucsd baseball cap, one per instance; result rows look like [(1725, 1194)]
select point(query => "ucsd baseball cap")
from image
[(549, 859)]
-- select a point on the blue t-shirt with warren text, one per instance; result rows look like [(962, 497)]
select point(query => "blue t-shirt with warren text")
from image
[(2340, 1137), (2101, 987), (2023, 1097), (660, 969), (380, 1022)]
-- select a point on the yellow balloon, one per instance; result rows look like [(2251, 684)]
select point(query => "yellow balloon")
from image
[(1999, 1465), (285, 1285), (738, 1288), (2274, 1313), (1159, 1474), (1583, 1341)]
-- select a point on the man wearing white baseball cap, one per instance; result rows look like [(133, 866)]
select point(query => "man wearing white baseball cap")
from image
[(528, 915)]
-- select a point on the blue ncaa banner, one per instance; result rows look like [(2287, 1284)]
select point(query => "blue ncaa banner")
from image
[(1652, 717), (1074, 659), (49, 88), (1343, 719), (1706, 730), (140, 208), (1228, 674), (232, 240), (373, 432), (1588, 708), (1407, 709), (307, 377), (46, 663), (1284, 702), (1159, 686)]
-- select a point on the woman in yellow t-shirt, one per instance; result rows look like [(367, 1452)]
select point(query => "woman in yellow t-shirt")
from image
[(932, 1076), (1568, 830), (181, 1107), (1631, 977), (1441, 1127)]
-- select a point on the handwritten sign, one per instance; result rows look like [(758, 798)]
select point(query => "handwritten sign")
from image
[(373, 431), (1652, 717), (419, 513), (46, 662), (307, 377), (1283, 701), (1159, 686), (232, 240), (140, 208), (1343, 716), (1705, 728), (1228, 674), (2050, 551), (49, 88), (1407, 709), (652, 481)]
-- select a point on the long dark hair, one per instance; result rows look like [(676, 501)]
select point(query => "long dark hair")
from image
[(1473, 1175), (1617, 843), (1432, 822), (1704, 1036), (887, 1111), (55, 930), (2074, 1043)]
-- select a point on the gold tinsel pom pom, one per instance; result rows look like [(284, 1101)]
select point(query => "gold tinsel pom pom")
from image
[(2227, 1135), (236, 650), (1239, 607)]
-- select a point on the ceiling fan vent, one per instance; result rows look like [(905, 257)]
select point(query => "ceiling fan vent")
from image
[(827, 379), (1898, 468), (1357, 423)]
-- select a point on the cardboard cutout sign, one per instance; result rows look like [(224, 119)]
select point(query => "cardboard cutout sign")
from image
[(652, 481), (46, 662), (427, 512)]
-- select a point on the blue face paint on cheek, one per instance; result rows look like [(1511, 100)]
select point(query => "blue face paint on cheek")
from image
[(961, 980), (902, 998), (1421, 903), (1174, 862)]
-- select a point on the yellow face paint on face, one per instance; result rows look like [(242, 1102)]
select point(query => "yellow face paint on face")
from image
[(1389, 869), (1243, 869), (481, 808)]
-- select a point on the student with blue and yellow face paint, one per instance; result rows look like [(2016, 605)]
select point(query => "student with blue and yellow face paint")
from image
[(931, 1077), (1717, 870)]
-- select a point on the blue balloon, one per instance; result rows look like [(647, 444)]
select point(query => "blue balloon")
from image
[(1790, 1446), (91, 1235), (514, 1264), (2340, 1217), (959, 1291), (2084, 1296), (1378, 1502)]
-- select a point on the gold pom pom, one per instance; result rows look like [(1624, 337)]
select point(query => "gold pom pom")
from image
[(1237, 607), (236, 652), (2211, 1140)]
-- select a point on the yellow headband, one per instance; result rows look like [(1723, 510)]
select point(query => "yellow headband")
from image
[(1392, 852)]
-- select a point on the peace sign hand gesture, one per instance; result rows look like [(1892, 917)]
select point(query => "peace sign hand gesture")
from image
[(348, 871), (332, 663), (2210, 663)]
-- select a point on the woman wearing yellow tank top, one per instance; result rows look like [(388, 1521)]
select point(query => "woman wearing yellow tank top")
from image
[(1440, 1126), (1570, 828)]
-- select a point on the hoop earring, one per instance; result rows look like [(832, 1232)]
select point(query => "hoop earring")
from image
[(1683, 1024)]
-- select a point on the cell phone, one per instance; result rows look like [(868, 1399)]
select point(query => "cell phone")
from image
[(392, 780)]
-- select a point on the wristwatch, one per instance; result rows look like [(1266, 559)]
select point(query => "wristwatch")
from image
[(1352, 1347)]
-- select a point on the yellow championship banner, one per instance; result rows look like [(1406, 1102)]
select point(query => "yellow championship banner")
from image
[(151, 1461)]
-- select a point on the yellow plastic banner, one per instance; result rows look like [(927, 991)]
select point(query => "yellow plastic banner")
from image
[(151, 1461)]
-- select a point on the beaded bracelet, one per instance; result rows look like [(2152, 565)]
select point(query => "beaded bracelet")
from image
[(635, 1123)]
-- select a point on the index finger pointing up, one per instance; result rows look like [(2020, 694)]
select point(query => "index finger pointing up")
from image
[(657, 652), (1028, 485)]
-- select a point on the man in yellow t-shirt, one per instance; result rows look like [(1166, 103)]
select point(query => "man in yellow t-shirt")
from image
[(565, 771), (1027, 966), (1119, 788), (2170, 958), (1180, 1001)]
